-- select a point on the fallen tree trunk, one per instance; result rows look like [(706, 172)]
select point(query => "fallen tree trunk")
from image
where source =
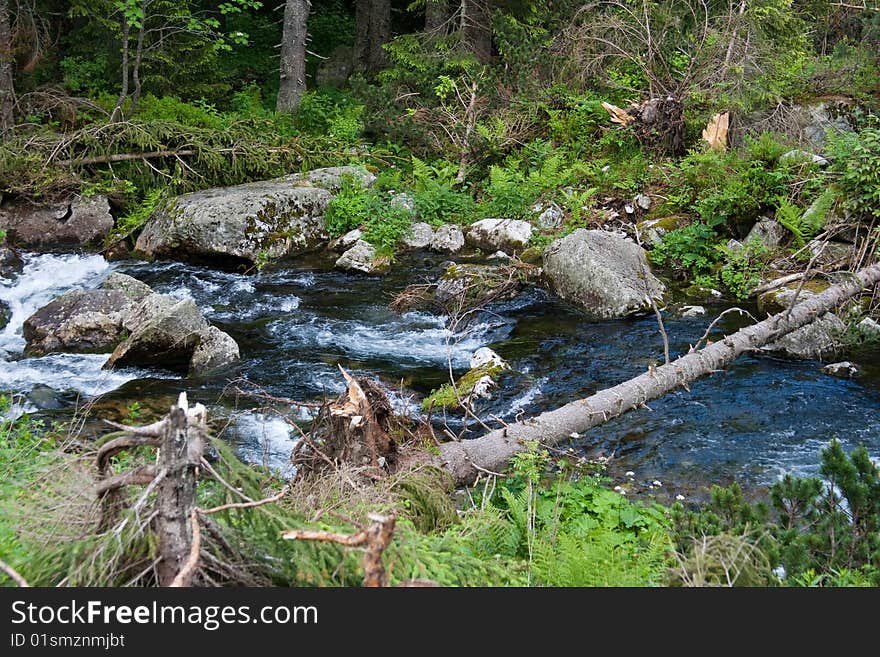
[(491, 452)]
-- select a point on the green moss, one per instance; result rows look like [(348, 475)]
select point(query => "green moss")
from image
[(445, 396)]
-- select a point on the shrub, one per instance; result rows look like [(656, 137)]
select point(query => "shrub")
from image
[(857, 163)]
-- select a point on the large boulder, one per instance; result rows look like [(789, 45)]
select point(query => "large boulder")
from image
[(499, 234), (604, 273), (81, 222), (172, 334), (84, 321), (249, 223), (141, 328)]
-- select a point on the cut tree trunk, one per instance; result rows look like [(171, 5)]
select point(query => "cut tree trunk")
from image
[(293, 55), (183, 443), (491, 452), (7, 90)]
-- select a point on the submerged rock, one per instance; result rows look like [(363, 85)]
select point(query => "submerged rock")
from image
[(845, 369), (10, 263), (5, 314), (499, 234), (817, 340), (80, 222), (605, 274)]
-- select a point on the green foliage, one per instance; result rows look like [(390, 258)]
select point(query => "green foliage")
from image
[(722, 187), (86, 75), (576, 532), (436, 198), (384, 223), (857, 162), (821, 531), (136, 217), (330, 112), (692, 247), (742, 268)]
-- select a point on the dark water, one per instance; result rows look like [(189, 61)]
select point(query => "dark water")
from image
[(760, 418)]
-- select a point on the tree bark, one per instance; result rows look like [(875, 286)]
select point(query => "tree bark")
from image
[(138, 57), (293, 55), (476, 29), (491, 452), (7, 89), (372, 31), (183, 442)]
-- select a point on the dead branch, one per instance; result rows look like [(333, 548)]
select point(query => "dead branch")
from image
[(137, 477), (13, 574), (246, 505), (376, 538), (184, 577)]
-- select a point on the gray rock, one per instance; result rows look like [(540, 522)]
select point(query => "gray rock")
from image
[(217, 349), (606, 275), (405, 201), (243, 223), (165, 333), (550, 217), (447, 239), (361, 258), (79, 321), (819, 118), (5, 314), (734, 245), (767, 232), (652, 231), (832, 254), (845, 369), (817, 340), (334, 70), (870, 327), (499, 234), (330, 178), (642, 201), (10, 263), (345, 242), (80, 222), (798, 155), (692, 311), (131, 287), (419, 237)]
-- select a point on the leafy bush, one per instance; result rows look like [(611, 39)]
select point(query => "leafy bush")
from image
[(692, 247), (742, 268), (330, 112), (857, 162)]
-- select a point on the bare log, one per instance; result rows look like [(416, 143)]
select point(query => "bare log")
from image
[(464, 459)]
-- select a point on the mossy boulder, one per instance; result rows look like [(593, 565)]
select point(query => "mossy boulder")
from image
[(246, 224), (651, 231)]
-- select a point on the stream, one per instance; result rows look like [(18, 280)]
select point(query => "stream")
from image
[(759, 419)]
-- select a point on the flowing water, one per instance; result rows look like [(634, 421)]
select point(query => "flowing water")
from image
[(758, 419)]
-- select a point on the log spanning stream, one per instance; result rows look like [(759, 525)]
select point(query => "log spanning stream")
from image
[(760, 418)]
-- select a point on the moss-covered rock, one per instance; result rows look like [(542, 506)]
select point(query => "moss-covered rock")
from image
[(474, 383)]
